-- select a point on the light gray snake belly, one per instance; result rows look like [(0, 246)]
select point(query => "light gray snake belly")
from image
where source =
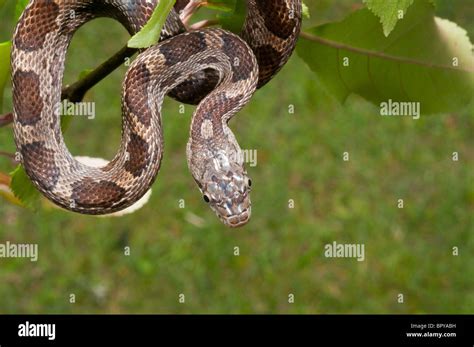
[(212, 67)]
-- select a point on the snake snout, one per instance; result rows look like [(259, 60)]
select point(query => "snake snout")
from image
[(239, 220), (227, 193)]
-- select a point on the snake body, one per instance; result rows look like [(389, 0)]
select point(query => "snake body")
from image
[(212, 67)]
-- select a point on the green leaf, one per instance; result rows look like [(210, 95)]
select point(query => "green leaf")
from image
[(234, 20), (4, 68), (150, 33), (306, 12), (389, 12), (224, 6), (20, 7), (415, 63), (22, 187)]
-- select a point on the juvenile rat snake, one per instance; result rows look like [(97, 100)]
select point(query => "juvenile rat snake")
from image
[(212, 67)]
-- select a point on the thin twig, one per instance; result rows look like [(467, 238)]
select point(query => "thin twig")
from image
[(7, 154), (203, 24), (6, 119), (338, 45), (190, 9), (5, 179)]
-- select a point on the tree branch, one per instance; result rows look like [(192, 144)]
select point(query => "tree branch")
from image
[(76, 91)]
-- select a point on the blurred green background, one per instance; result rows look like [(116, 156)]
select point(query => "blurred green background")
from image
[(408, 250)]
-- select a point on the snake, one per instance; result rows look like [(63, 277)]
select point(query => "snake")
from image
[(210, 67)]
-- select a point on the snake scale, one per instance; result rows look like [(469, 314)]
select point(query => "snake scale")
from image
[(210, 67)]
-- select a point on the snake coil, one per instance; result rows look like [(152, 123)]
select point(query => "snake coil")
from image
[(212, 67)]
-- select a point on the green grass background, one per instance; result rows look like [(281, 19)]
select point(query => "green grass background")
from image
[(408, 250)]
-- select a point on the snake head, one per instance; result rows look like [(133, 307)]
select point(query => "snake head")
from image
[(226, 187)]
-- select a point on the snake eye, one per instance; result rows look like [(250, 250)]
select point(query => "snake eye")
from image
[(249, 182), (206, 198)]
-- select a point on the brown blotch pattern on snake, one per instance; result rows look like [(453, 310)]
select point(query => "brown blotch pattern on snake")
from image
[(279, 19), (91, 194), (29, 103), (137, 149), (241, 69), (196, 87), (136, 96), (183, 47)]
